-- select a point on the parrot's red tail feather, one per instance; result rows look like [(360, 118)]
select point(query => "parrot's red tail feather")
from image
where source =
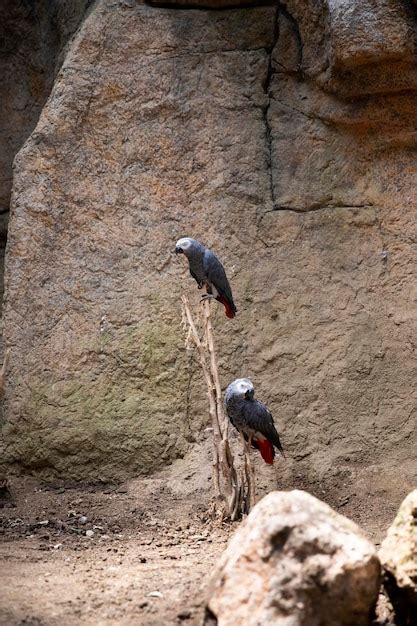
[(229, 312), (229, 309), (266, 449)]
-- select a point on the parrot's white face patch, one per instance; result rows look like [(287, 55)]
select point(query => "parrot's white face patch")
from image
[(185, 243), (242, 385)]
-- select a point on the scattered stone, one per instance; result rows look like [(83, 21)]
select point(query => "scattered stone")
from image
[(116, 529), (89, 534), (398, 556), (82, 519), (295, 561), (384, 612), (344, 501), (185, 614), (155, 594)]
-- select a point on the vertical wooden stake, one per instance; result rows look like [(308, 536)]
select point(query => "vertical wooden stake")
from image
[(229, 491)]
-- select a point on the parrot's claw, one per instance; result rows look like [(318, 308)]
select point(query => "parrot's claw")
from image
[(207, 296)]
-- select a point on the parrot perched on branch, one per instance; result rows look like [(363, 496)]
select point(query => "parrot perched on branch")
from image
[(207, 271), (252, 419)]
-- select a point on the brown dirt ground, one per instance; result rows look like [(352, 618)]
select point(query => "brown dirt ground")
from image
[(152, 550)]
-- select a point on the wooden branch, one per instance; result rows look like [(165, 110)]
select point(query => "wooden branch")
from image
[(248, 476), (223, 421), (234, 493), (210, 394), (3, 371), (231, 482)]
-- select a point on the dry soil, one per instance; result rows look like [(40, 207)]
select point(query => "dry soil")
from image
[(153, 545)]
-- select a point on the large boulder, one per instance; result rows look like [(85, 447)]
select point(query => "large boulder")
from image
[(398, 556), (295, 562)]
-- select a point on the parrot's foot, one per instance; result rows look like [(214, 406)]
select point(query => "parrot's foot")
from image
[(207, 296)]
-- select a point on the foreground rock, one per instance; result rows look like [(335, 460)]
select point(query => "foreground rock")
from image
[(296, 562), (398, 555)]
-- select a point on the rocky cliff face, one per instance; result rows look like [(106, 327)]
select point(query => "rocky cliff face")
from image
[(33, 36), (284, 138)]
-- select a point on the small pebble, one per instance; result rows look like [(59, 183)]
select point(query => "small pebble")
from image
[(89, 533), (82, 519), (155, 594)]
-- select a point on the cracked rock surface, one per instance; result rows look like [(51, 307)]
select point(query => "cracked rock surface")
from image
[(298, 169)]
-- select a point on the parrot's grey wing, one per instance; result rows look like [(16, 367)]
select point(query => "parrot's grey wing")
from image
[(195, 277), (259, 418), (216, 275)]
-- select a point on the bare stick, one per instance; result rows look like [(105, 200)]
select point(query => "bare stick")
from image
[(3, 371), (223, 422), (251, 474), (225, 455), (210, 394), (248, 474), (228, 489)]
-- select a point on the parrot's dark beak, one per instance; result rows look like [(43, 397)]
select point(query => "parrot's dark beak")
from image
[(178, 250), (249, 394)]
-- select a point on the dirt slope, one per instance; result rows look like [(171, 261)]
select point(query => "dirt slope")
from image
[(150, 535)]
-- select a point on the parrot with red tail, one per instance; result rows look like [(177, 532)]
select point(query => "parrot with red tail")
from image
[(207, 271), (252, 419)]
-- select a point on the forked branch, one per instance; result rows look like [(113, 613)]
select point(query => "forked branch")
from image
[(233, 496)]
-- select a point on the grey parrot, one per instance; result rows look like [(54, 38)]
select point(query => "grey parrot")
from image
[(252, 419), (207, 271)]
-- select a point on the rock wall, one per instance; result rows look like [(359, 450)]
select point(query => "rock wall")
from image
[(33, 36), (284, 138)]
